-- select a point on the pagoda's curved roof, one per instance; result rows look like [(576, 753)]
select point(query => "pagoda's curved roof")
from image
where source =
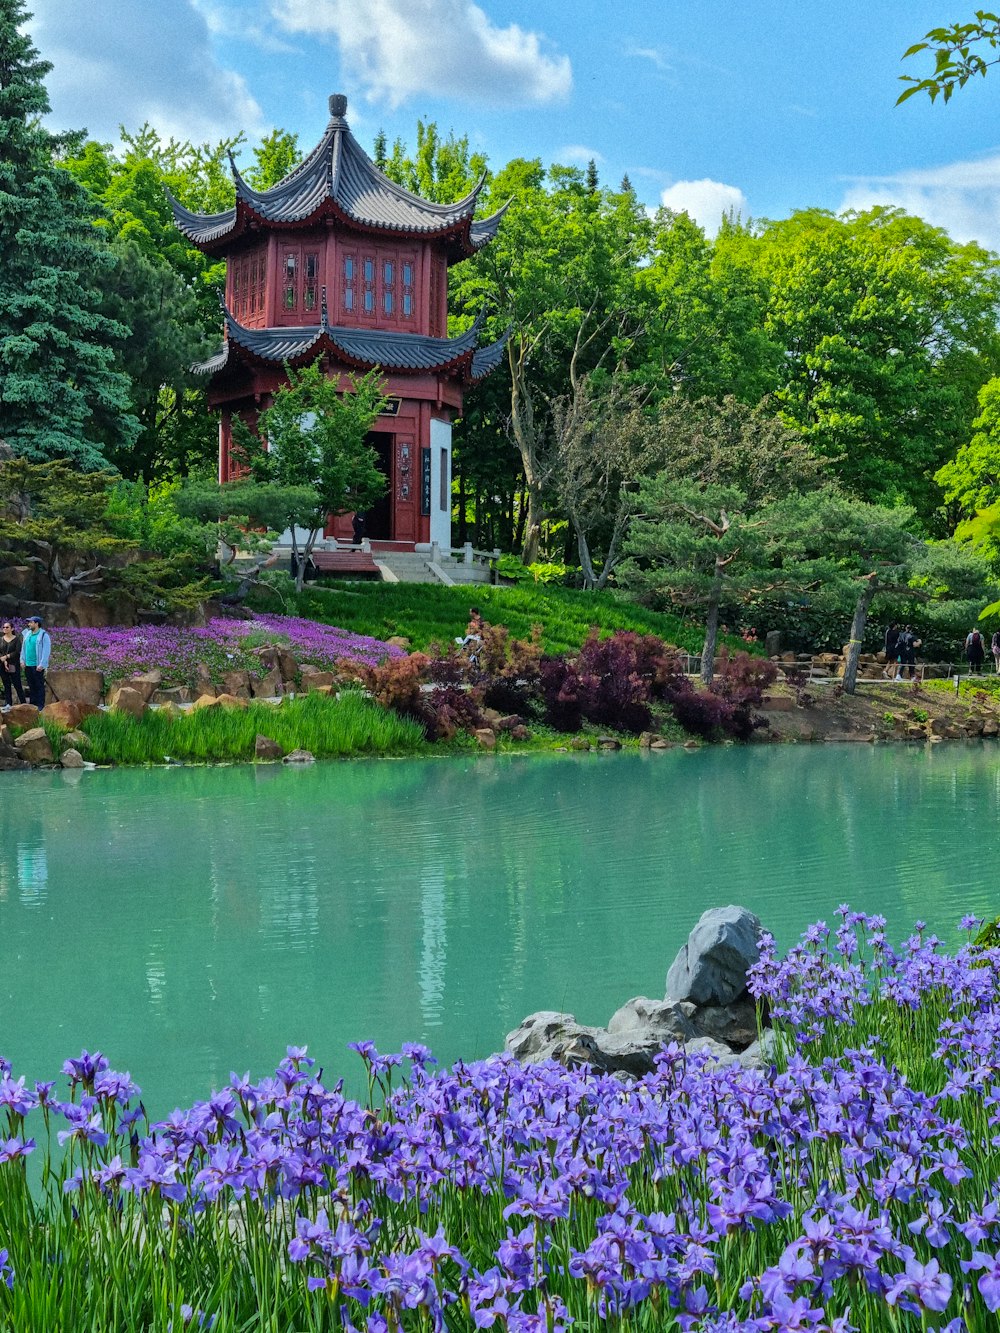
[(339, 179), (406, 353)]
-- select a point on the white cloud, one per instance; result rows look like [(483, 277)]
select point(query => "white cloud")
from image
[(579, 152), (651, 53), (706, 201), (121, 62), (961, 197), (397, 48)]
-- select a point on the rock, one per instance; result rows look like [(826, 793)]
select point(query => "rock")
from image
[(85, 687), (509, 723), (237, 682), (315, 679), (267, 686), (915, 732), (89, 611), (76, 740), (173, 694), (72, 759), (715, 1050), (778, 703), (646, 739), (492, 717), (231, 701), (486, 737), (664, 1018), (206, 701), (34, 746), (579, 743), (763, 1053), (661, 744), (711, 967), (266, 751), (299, 757), (68, 713), (288, 668), (772, 643), (22, 715), (25, 583), (6, 735), (734, 1024), (692, 745), (535, 1032), (123, 699), (609, 742), (520, 733), (991, 727), (145, 684), (10, 759)]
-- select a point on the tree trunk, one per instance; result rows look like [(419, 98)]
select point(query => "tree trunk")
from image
[(857, 634), (711, 630), (522, 422), (586, 563)]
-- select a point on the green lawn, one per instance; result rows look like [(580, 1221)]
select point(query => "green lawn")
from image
[(428, 613)]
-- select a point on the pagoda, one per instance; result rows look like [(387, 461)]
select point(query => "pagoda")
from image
[(338, 262)]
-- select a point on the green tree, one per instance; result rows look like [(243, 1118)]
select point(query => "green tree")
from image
[(961, 51), (61, 394), (275, 157), (312, 438), (887, 330), (971, 480), (709, 528)]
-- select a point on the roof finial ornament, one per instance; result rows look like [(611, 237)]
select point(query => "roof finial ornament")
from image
[(338, 106), (323, 313)]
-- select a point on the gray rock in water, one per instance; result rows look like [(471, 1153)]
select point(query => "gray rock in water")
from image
[(539, 1034), (711, 969), (299, 757), (735, 1024), (549, 1035), (664, 1020)]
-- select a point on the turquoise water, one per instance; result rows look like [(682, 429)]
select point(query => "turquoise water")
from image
[(193, 921)]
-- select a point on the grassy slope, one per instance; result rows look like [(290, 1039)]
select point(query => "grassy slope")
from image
[(429, 613)]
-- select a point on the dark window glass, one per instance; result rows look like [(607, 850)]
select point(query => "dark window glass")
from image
[(311, 266)]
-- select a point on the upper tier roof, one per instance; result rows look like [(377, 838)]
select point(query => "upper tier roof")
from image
[(338, 178), (407, 353)]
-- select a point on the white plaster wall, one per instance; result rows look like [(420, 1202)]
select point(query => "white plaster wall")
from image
[(440, 515)]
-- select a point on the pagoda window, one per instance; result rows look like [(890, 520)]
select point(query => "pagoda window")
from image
[(369, 286), (350, 267), (311, 275), (388, 293), (437, 322), (407, 294), (289, 280)]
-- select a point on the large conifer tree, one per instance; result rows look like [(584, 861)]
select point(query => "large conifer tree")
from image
[(60, 394)]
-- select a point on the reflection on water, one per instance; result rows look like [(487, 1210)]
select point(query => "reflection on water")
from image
[(193, 921)]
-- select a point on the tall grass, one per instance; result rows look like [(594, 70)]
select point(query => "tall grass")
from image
[(329, 727), (429, 613)]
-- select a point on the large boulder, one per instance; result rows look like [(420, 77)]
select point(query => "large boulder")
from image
[(268, 686), (10, 758), (663, 1019), (123, 699), (25, 583), (145, 684), (68, 713), (78, 686), (72, 759), (22, 715), (34, 746), (76, 740), (549, 1035), (299, 757), (711, 968), (237, 682), (90, 611), (266, 751), (314, 680), (173, 694)]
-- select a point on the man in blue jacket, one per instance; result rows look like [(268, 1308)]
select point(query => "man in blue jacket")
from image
[(35, 649)]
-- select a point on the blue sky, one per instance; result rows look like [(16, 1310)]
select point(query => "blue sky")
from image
[(768, 105)]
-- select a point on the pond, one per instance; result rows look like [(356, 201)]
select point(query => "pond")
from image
[(193, 921)]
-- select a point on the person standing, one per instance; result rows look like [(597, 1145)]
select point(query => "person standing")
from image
[(975, 651), (10, 663), (907, 650), (36, 647), (995, 649), (891, 651)]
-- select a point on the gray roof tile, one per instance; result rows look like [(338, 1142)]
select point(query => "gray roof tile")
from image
[(338, 176)]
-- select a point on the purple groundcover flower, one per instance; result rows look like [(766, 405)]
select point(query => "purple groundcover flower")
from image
[(221, 645)]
